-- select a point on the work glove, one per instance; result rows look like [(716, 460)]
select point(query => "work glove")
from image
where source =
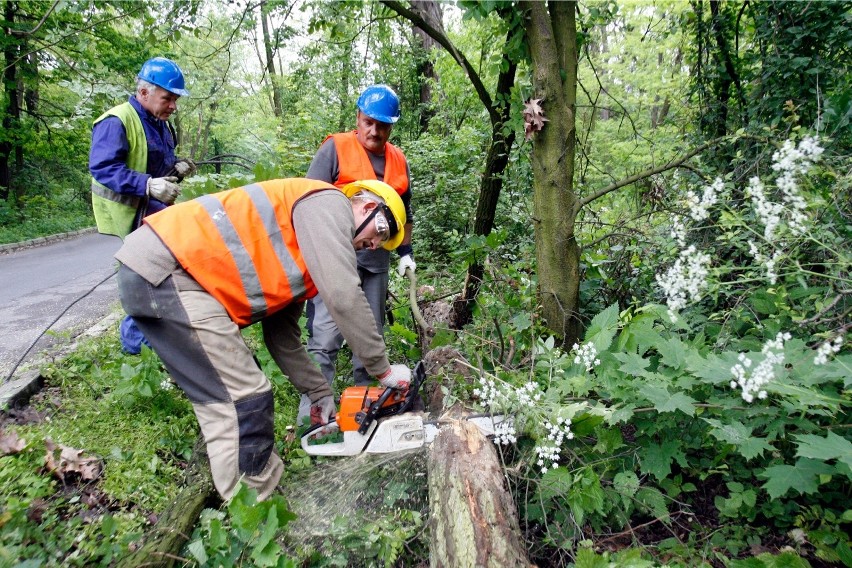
[(406, 261), (185, 167), (323, 411), (397, 377), (164, 189)]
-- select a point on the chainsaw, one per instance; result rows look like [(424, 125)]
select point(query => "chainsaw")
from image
[(379, 420)]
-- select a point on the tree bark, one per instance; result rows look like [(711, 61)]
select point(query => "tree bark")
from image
[(270, 62), (552, 34), (473, 522), (174, 527), (431, 11)]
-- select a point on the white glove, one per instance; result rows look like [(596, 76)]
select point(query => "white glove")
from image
[(406, 262), (323, 410), (185, 167), (164, 189), (397, 377)]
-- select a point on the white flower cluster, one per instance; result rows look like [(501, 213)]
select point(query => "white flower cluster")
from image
[(687, 278), (678, 232), (587, 355), (167, 384), (548, 451), (699, 207), (504, 433), (790, 162), (489, 392), (768, 262), (528, 395), (828, 349), (763, 373), (768, 211)]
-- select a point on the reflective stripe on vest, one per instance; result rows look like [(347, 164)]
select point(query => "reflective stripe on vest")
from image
[(120, 198), (354, 163), (240, 246)]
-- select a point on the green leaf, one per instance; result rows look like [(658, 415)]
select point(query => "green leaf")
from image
[(802, 478), (657, 459), (739, 435), (266, 550), (587, 558), (673, 352), (665, 402), (653, 501), (828, 448), (633, 364), (714, 369), (767, 560), (554, 483), (626, 483), (602, 328), (196, 548), (763, 302)]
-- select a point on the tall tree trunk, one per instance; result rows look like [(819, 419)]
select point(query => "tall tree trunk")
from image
[(489, 193), (431, 11), (270, 62), (552, 36)]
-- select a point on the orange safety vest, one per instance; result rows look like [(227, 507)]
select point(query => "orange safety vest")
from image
[(241, 247), (354, 164)]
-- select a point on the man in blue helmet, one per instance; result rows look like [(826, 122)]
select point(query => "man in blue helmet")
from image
[(364, 153), (133, 164)]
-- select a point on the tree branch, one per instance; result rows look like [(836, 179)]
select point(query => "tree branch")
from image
[(647, 173), (440, 37)]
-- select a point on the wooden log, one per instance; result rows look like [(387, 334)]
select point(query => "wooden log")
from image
[(163, 543), (473, 521)]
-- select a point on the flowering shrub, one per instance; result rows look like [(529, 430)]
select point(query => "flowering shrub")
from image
[(737, 387)]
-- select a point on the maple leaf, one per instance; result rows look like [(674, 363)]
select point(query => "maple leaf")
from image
[(72, 459), (50, 458), (534, 118), (11, 444)]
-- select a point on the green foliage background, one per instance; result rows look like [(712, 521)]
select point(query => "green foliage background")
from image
[(668, 465)]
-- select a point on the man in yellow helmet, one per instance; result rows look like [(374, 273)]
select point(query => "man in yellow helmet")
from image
[(255, 254)]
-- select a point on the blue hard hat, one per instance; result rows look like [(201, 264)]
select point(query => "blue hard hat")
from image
[(379, 102), (165, 74)]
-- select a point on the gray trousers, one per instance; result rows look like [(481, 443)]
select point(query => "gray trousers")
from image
[(325, 339), (204, 352)]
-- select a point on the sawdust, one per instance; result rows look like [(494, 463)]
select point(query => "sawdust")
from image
[(341, 493)]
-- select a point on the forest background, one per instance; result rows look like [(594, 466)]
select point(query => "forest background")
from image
[(634, 215)]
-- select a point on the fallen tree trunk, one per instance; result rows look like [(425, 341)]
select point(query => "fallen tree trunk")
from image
[(174, 527), (473, 517)]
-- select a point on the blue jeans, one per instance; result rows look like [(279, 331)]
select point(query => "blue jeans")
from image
[(131, 338)]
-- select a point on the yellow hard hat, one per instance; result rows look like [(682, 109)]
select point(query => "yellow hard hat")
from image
[(393, 202)]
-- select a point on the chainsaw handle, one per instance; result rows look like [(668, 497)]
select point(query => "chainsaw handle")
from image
[(374, 410)]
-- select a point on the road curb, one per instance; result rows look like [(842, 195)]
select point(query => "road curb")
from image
[(10, 247), (16, 392)]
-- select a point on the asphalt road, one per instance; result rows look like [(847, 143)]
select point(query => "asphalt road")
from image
[(38, 283)]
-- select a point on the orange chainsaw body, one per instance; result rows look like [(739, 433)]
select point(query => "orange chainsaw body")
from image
[(355, 400)]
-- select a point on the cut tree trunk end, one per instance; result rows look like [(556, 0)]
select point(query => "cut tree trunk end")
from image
[(473, 521)]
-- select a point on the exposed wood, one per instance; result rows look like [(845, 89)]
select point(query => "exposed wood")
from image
[(473, 521), (163, 543)]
